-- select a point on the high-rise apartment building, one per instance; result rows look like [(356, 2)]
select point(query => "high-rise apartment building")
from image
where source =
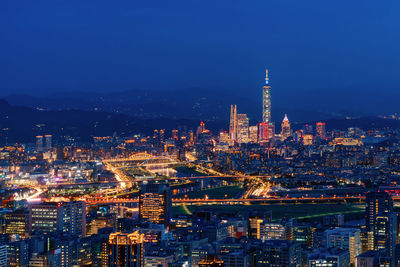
[(155, 203), (377, 203), (385, 229), (45, 217), (125, 250), (286, 131), (242, 128), (367, 239), (18, 253), (3, 255), (73, 216), (344, 238), (66, 217)]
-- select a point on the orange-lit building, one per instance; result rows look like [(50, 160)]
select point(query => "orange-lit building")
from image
[(308, 139), (242, 128), (253, 134), (286, 131), (321, 130), (155, 203), (125, 250), (211, 262)]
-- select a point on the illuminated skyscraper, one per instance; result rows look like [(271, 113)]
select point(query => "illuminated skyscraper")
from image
[(271, 130), (266, 128), (253, 133), (346, 239), (266, 131), (155, 203), (233, 125), (48, 138), (385, 233), (286, 131), (65, 217), (125, 249), (377, 203), (321, 130), (262, 131), (255, 225), (223, 137), (242, 128), (17, 223), (266, 100), (39, 143)]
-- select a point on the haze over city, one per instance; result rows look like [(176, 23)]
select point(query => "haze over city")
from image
[(335, 57)]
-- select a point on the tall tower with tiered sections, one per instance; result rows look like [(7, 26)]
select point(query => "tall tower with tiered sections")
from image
[(266, 100)]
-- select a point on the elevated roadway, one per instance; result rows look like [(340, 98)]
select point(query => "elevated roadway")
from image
[(202, 201)]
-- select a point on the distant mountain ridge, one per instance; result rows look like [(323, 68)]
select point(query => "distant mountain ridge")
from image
[(22, 124), (191, 103)]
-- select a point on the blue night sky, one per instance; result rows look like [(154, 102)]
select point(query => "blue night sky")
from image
[(329, 47)]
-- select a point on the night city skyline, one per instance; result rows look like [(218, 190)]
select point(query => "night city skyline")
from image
[(199, 134)]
